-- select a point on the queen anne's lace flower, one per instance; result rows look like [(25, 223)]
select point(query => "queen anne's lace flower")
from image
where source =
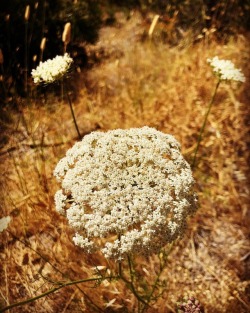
[(125, 191), (226, 70), (52, 70)]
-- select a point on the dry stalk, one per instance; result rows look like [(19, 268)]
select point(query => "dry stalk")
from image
[(26, 43)]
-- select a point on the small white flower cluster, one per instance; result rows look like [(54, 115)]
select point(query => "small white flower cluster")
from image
[(226, 70), (125, 191), (4, 222), (52, 69)]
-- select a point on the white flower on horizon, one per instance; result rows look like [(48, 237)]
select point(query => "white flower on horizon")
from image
[(226, 70), (4, 222), (52, 69), (125, 191)]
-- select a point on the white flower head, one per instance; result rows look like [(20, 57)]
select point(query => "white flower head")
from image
[(4, 222), (226, 70), (52, 69), (125, 191)]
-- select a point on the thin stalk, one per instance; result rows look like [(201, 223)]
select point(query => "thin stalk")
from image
[(120, 268), (32, 24), (204, 123), (62, 91), (46, 293), (131, 273), (72, 112), (43, 17), (130, 269), (130, 285), (162, 267), (133, 290), (26, 59)]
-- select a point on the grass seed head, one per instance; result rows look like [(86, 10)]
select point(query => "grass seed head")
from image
[(43, 44), (66, 34), (27, 13)]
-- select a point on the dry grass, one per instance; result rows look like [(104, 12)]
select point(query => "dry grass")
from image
[(145, 84)]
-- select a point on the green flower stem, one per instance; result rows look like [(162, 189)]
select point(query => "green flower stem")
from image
[(120, 268), (204, 124), (131, 273), (72, 112), (130, 269), (162, 267), (62, 285), (130, 285)]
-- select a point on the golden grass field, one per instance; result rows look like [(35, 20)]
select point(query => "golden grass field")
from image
[(136, 83)]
